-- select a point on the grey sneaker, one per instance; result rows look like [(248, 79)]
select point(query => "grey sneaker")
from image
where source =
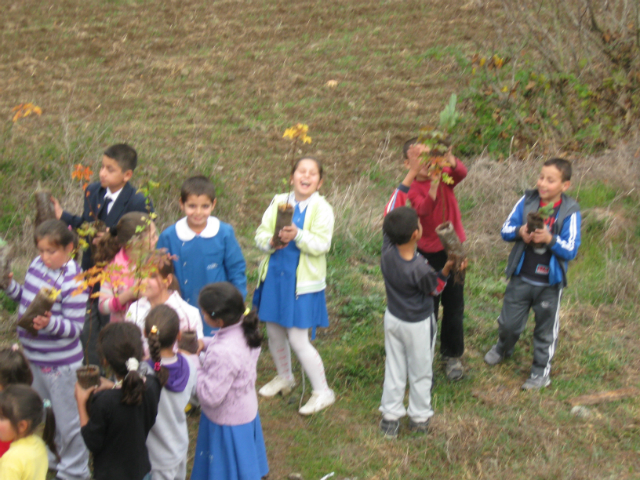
[(389, 428), (493, 357), (419, 427), (536, 382), (454, 369)]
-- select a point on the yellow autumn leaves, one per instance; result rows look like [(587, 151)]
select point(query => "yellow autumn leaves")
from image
[(298, 132), (24, 110)]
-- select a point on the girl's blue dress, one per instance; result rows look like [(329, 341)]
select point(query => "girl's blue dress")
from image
[(226, 452), (276, 297)]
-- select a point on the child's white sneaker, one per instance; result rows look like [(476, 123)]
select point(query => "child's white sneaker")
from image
[(318, 401), (277, 385)]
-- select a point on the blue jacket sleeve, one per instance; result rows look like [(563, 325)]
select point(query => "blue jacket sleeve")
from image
[(139, 204), (75, 221), (513, 223), (234, 264), (565, 245)]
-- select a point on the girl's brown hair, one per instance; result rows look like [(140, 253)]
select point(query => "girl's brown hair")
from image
[(130, 225), (164, 267), (118, 342), (21, 402), (167, 326), (57, 233), (318, 163), (14, 366)]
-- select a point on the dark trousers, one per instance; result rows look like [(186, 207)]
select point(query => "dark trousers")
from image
[(519, 298), (94, 322), (452, 299)]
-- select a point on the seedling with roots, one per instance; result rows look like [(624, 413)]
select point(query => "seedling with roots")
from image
[(439, 157), (284, 215), (535, 221), (42, 303)]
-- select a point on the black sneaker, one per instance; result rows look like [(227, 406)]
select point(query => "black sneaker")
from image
[(389, 428), (419, 427)]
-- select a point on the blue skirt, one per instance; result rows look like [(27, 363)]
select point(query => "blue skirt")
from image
[(229, 452), (276, 297)]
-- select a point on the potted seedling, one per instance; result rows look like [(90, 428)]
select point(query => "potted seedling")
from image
[(188, 341), (438, 158), (284, 215), (535, 221), (41, 304), (5, 264), (44, 206)]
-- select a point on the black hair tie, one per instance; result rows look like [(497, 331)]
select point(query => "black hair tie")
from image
[(113, 231)]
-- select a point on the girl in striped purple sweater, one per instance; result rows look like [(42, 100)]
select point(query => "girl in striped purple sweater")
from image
[(55, 352)]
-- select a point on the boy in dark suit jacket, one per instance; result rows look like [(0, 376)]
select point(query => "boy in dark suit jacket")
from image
[(107, 200)]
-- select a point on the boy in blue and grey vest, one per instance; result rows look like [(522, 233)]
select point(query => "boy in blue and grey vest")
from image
[(538, 273)]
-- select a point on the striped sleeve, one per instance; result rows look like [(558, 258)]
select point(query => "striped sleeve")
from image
[(513, 222), (565, 245), (69, 321), (398, 199), (59, 342)]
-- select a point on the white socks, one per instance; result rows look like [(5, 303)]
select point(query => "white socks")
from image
[(307, 355)]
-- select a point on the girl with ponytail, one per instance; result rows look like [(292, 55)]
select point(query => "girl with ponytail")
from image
[(122, 413), (121, 248), (230, 444), (168, 440), (21, 411)]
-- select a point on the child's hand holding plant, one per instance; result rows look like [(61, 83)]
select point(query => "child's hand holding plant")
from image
[(288, 233), (542, 236), (42, 321)]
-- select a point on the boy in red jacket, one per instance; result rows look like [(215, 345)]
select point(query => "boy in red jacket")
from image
[(435, 202)]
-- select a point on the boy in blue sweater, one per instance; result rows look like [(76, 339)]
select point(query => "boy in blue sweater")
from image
[(206, 248), (537, 268)]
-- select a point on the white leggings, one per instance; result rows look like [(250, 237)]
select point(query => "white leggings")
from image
[(298, 339)]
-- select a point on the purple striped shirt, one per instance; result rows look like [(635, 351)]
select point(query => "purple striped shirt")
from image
[(59, 342)]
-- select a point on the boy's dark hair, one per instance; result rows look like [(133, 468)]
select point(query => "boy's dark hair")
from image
[(223, 301), (561, 164), (167, 324), (318, 163), (118, 342), (198, 185), (119, 236), (124, 155), (56, 232), (407, 145), (412, 141), (14, 366), (400, 224), (21, 402)]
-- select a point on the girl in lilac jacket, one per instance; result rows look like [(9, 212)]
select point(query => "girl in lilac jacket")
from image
[(230, 444)]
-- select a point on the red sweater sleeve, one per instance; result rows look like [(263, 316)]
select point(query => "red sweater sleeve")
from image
[(457, 174)]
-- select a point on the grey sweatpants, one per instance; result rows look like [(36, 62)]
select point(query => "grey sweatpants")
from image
[(58, 385), (409, 349), (519, 298)]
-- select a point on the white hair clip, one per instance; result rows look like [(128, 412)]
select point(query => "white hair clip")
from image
[(132, 365)]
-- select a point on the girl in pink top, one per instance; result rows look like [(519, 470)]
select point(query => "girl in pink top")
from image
[(230, 444), (161, 288), (121, 247)]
